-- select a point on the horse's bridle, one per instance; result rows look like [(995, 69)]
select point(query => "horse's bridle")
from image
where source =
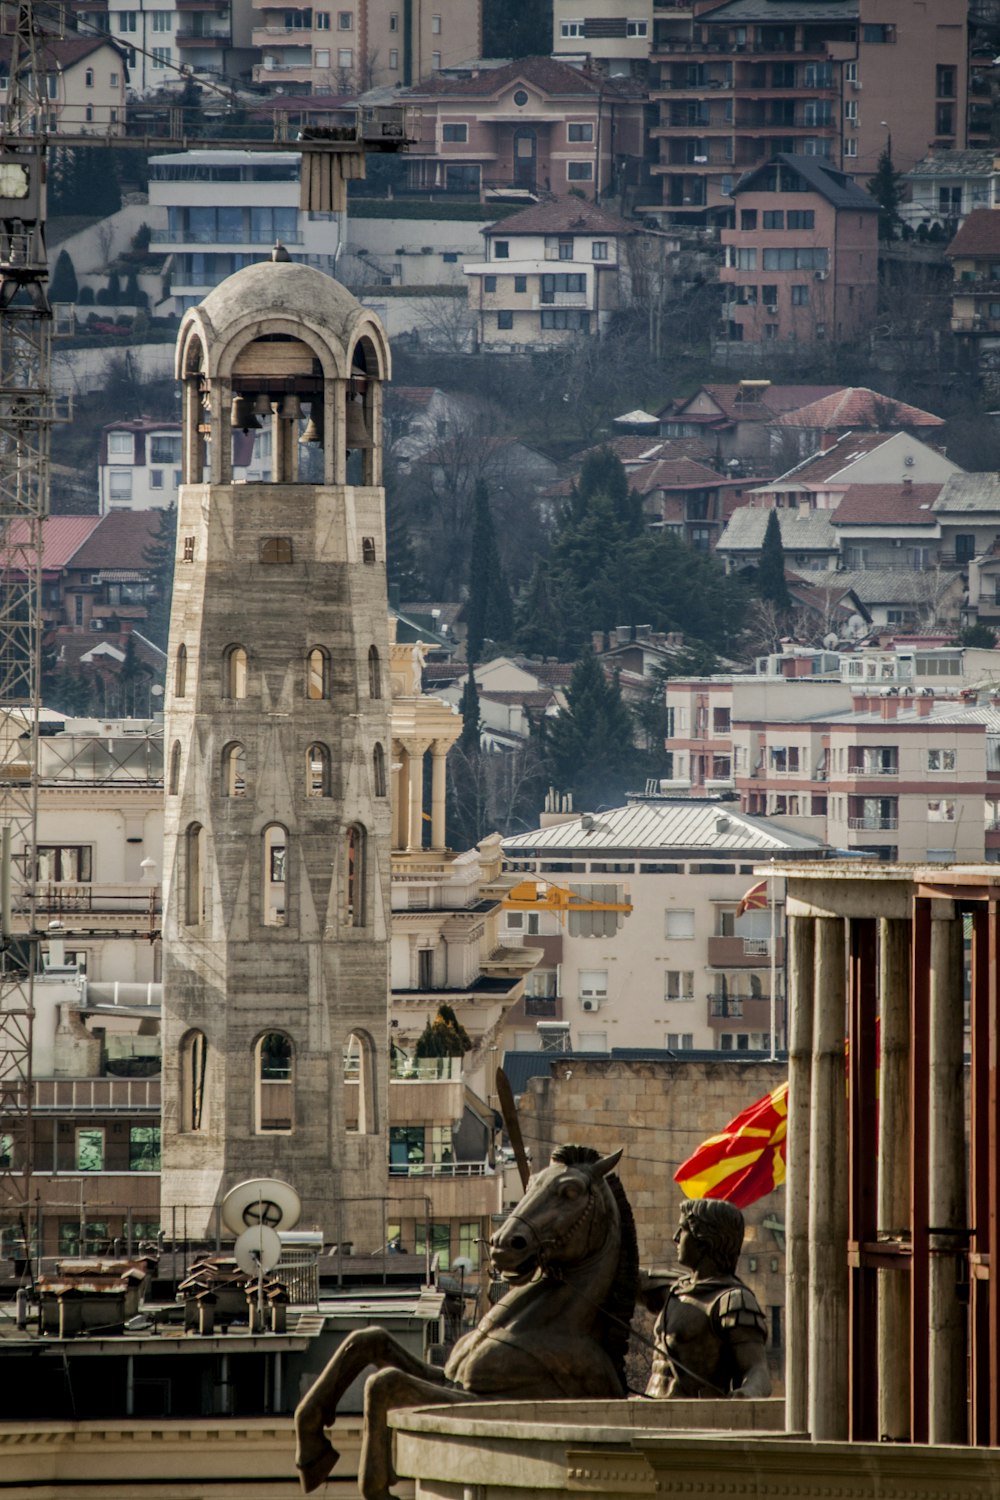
[(545, 1248)]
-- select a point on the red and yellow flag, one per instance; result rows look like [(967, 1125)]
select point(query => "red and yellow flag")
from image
[(746, 1161), (754, 900)]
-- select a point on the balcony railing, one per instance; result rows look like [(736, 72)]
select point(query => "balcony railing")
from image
[(873, 824), (542, 1006), (109, 899), (440, 1169), (866, 769), (725, 1005), (96, 1095), (755, 946), (220, 238)]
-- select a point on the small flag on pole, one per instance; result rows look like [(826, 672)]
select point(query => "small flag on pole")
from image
[(754, 900), (746, 1161)]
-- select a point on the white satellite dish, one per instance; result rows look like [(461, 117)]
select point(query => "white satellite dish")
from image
[(258, 1249), (262, 1200), (461, 1263)]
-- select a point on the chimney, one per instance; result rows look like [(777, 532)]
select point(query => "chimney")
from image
[(859, 702), (597, 640), (890, 706), (827, 440), (925, 704)]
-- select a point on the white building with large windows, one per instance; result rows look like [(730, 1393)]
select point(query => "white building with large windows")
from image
[(681, 970)]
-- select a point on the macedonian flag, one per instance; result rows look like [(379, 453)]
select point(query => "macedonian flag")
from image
[(747, 1160), (754, 900)]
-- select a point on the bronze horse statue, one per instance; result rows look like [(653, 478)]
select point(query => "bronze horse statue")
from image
[(568, 1254)]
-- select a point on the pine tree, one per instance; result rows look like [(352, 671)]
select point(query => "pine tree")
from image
[(589, 748), (489, 613), (887, 188), (445, 1036), (771, 568), (63, 286)]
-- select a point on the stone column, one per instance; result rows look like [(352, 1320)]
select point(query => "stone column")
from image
[(946, 1198), (828, 1184), (398, 786), (801, 987), (894, 1178), (415, 751), (439, 753)]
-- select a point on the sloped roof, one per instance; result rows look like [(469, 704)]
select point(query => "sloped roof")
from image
[(979, 235), (61, 537), (857, 406), (897, 585), (802, 530), (954, 164), (684, 823), (785, 10), (545, 73), (767, 404), (887, 505), (822, 467), (675, 474), (836, 187), (120, 541), (562, 216), (65, 53), (970, 492)]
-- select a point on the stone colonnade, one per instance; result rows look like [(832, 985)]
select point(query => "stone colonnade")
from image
[(408, 791)]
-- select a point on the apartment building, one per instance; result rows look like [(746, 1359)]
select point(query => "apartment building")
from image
[(225, 210), (617, 38), (975, 259), (745, 82), (86, 78), (681, 970), (139, 466), (801, 257), (687, 498), (552, 272), (532, 126), (946, 186)]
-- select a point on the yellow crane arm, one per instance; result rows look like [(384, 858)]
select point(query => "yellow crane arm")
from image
[(542, 895)]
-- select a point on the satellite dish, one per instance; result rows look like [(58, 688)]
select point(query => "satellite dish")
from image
[(262, 1200), (258, 1249), (461, 1263)]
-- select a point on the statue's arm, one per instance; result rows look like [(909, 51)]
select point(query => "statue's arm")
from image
[(751, 1363), (654, 1289)]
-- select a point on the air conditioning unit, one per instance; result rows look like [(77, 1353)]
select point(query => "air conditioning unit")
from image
[(855, 83), (591, 1003), (772, 307), (822, 275)]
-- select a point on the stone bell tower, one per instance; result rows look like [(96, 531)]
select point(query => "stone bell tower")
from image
[(277, 833)]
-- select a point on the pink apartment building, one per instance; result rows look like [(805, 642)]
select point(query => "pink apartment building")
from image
[(802, 259)]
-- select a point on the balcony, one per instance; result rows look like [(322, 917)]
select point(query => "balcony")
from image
[(96, 1095), (189, 38), (871, 824), (871, 769), (753, 1010), (107, 900), (561, 299), (219, 241), (742, 952)]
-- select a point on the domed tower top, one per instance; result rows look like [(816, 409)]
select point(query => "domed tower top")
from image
[(267, 341)]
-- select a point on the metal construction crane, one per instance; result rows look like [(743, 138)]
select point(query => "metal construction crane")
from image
[(543, 895), (331, 157)]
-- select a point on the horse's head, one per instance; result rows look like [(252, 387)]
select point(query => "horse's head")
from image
[(564, 1216)]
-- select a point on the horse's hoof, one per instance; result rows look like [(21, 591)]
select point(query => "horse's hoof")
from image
[(314, 1470)]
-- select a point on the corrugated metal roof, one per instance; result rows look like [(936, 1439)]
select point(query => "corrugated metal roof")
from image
[(970, 492), (801, 530), (681, 823)]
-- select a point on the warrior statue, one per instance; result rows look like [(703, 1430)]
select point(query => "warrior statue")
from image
[(710, 1333)]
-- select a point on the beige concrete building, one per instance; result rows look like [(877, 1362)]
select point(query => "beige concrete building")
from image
[(277, 829), (616, 34), (86, 77)]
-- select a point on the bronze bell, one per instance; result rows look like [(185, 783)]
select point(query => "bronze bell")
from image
[(314, 427), (241, 417), (290, 409), (358, 435), (262, 406)]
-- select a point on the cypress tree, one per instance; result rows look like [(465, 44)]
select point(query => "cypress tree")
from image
[(469, 709), (771, 568), (64, 286), (489, 614), (886, 187)]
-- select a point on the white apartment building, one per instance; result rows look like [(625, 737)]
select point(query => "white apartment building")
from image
[(618, 33), (225, 210), (86, 84), (681, 970), (140, 463)]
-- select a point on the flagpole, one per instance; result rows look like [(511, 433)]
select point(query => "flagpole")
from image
[(774, 966)]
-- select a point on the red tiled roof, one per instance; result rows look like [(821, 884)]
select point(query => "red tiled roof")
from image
[(64, 53), (545, 73), (887, 505), (674, 474), (858, 406), (979, 235), (825, 465), (61, 537), (561, 216), (120, 541), (767, 404)]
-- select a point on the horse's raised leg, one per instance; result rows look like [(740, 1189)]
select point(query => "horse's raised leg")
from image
[(315, 1456), (383, 1393)]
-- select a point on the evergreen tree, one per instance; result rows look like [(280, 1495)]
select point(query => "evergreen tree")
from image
[(537, 622), (489, 613), (517, 28), (159, 554), (589, 748), (887, 188), (445, 1036), (771, 568), (603, 473), (469, 709), (63, 286)]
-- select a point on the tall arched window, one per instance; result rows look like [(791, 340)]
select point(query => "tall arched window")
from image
[(378, 770), (359, 1070), (318, 673), (354, 876), (234, 770), (174, 772), (275, 873), (318, 771), (180, 672), (274, 1075), (194, 875), (234, 672), (374, 673), (194, 1055)]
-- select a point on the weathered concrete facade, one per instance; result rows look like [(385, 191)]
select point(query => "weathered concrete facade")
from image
[(277, 827)]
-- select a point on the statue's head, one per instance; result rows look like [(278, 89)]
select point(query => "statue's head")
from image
[(717, 1227)]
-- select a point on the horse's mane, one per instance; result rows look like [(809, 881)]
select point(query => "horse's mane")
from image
[(619, 1304)]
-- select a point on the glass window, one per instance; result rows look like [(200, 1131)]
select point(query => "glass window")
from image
[(679, 924), (774, 218), (90, 1149), (520, 283), (275, 1082), (318, 674), (501, 250), (678, 984), (748, 218), (345, 57), (457, 133), (120, 445), (505, 319), (579, 132), (579, 171), (162, 57), (345, 20), (489, 283), (64, 862), (941, 760), (599, 250), (276, 549), (163, 20), (275, 849), (144, 1148)]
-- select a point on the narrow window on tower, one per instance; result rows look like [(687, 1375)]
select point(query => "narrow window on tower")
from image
[(234, 770), (354, 876), (378, 770), (234, 672), (180, 672), (318, 771), (368, 549), (374, 673), (318, 673), (274, 1058), (275, 842), (194, 1051), (174, 779), (194, 886)]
